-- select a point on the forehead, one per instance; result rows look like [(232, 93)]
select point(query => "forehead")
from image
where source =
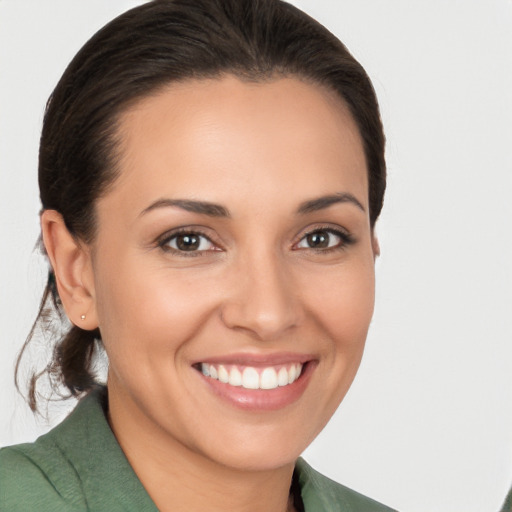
[(209, 137)]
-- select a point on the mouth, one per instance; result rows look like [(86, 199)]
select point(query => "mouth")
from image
[(252, 377), (257, 384)]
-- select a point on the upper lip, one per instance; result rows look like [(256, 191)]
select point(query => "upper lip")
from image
[(253, 359)]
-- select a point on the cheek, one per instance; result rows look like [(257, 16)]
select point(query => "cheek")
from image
[(150, 312), (344, 301)]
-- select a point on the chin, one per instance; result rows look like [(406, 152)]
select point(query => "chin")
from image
[(259, 460), (263, 449)]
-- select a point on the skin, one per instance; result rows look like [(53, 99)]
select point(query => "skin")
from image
[(259, 150)]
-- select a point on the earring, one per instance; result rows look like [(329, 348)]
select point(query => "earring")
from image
[(83, 317)]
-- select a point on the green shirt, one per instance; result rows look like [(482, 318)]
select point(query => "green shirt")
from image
[(79, 466)]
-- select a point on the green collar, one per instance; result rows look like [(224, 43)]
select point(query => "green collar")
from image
[(87, 442)]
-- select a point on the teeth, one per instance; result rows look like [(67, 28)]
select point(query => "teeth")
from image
[(235, 377), (282, 377), (223, 374), (268, 379), (292, 374), (253, 378), (250, 378)]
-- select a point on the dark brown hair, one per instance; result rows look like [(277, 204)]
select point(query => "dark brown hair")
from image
[(134, 56)]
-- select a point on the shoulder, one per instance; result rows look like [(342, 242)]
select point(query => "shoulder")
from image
[(320, 493), (35, 476), (48, 473), (77, 466)]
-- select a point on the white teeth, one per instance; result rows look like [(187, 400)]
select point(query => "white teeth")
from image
[(223, 374), (235, 377), (253, 378), (268, 379), (292, 374), (250, 378), (282, 377)]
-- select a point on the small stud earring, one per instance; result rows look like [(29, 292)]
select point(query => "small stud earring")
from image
[(83, 317)]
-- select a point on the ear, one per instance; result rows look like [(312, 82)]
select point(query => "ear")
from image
[(71, 263), (375, 246)]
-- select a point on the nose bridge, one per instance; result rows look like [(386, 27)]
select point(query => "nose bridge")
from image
[(263, 299)]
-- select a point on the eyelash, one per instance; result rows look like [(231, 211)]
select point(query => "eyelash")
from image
[(165, 239), (346, 239)]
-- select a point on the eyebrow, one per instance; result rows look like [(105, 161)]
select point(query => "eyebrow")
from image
[(201, 207), (217, 210), (323, 202)]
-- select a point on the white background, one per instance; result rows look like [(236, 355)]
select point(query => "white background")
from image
[(427, 426)]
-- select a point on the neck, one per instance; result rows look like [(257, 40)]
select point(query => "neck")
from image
[(178, 478)]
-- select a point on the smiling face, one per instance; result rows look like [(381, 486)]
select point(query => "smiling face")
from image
[(234, 253)]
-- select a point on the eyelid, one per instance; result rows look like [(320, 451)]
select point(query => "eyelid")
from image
[(346, 237), (164, 239)]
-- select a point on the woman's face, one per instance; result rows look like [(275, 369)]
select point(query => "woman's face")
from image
[(235, 246)]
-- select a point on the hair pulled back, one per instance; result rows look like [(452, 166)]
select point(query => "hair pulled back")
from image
[(136, 55)]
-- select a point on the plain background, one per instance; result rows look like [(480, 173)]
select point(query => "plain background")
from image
[(427, 426)]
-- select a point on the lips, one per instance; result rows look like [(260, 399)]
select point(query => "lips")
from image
[(258, 382), (252, 377)]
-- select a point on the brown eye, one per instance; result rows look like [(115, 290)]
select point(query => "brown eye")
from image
[(318, 240), (189, 242), (323, 239)]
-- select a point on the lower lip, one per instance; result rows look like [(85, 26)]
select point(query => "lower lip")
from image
[(262, 399)]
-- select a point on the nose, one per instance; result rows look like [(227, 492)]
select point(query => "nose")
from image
[(262, 300)]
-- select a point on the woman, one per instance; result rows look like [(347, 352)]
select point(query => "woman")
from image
[(210, 175)]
